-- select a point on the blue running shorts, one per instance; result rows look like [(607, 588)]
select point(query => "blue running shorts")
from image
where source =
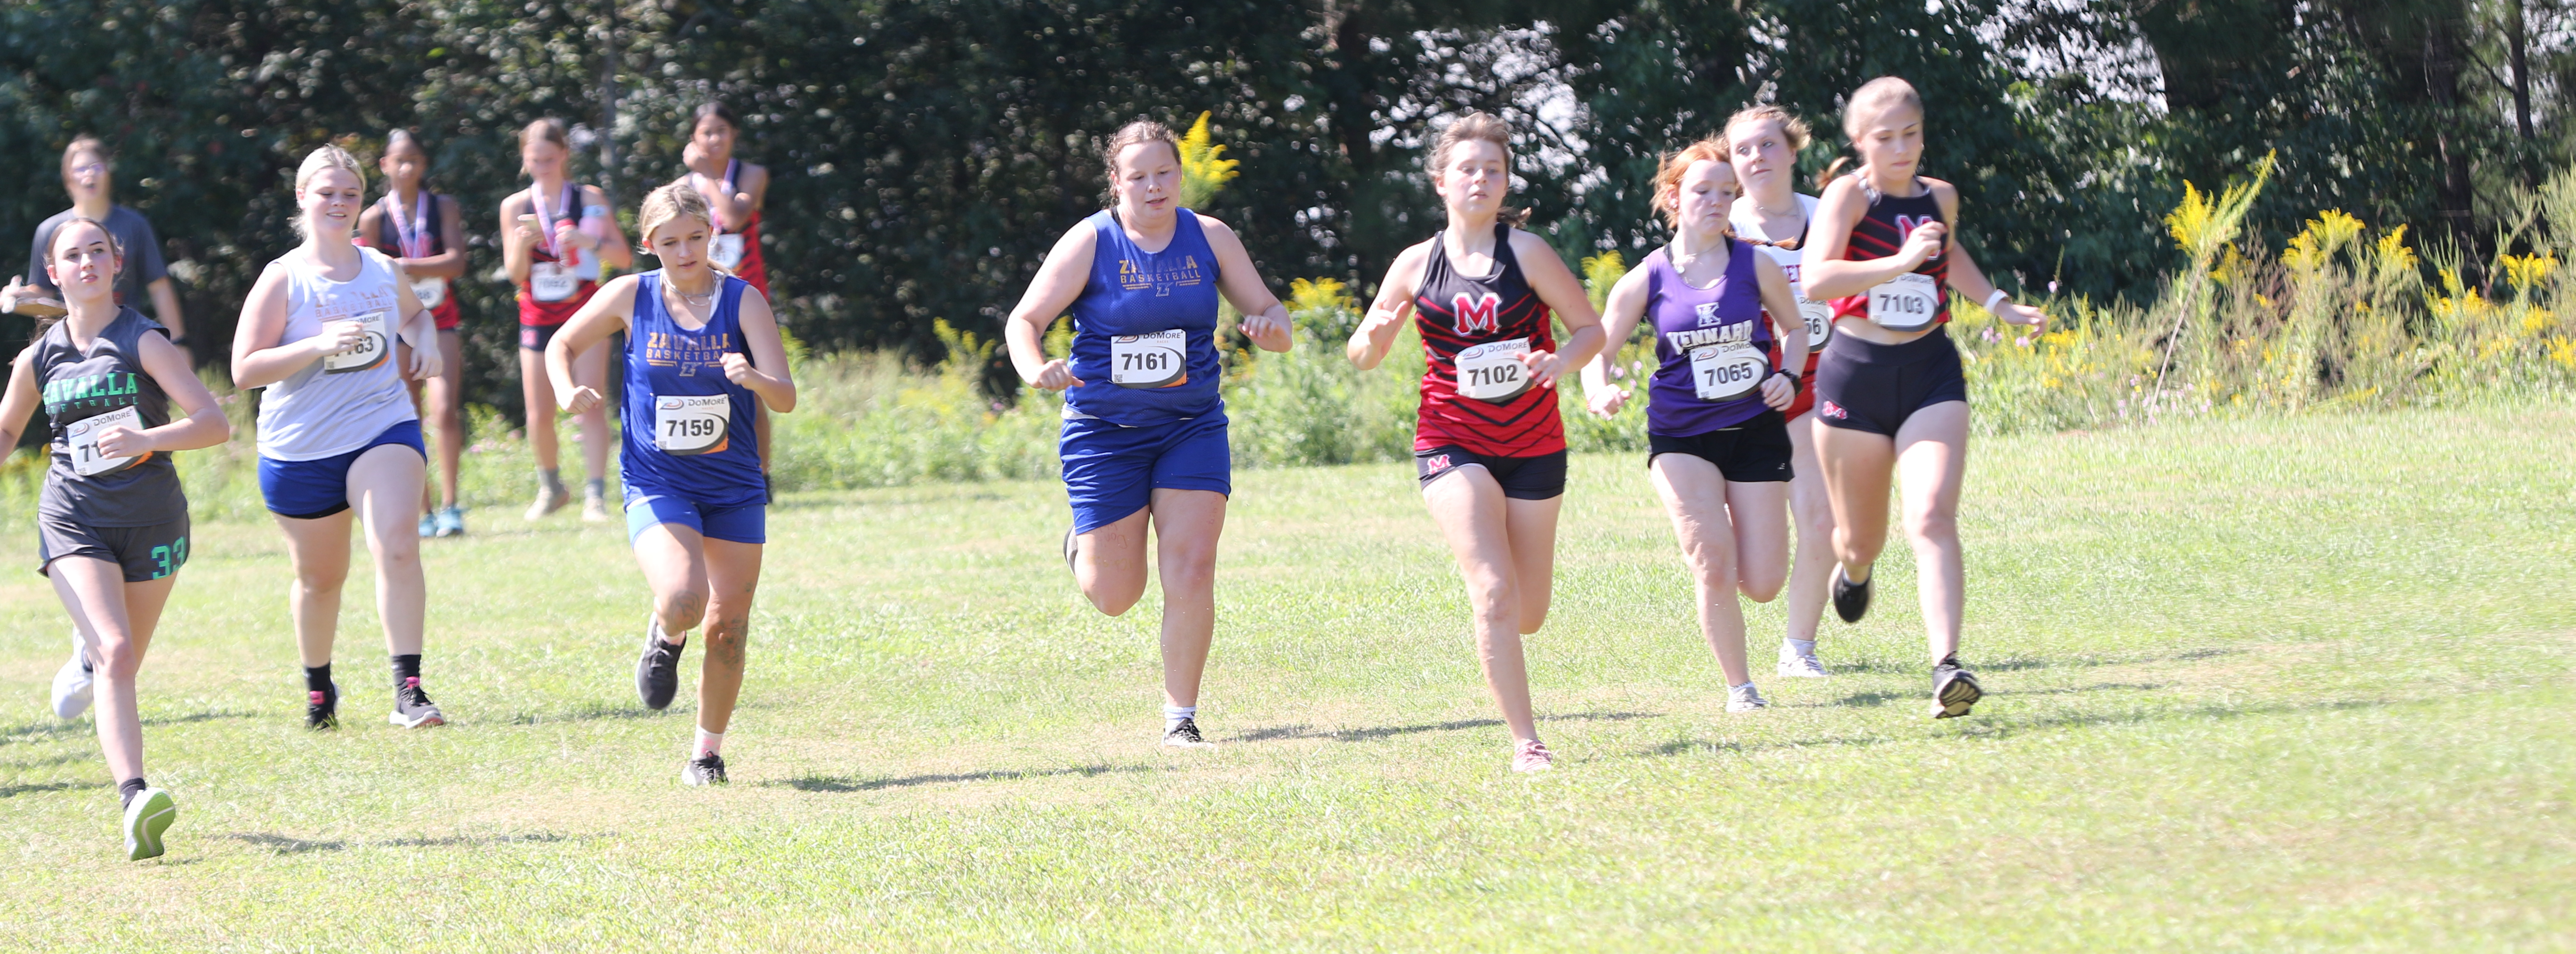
[(748, 523), (313, 489), (1112, 471)]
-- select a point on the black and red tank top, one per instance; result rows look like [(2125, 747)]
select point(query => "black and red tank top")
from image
[(1881, 233), (1484, 319)]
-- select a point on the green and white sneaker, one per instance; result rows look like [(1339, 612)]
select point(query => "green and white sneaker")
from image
[(146, 817)]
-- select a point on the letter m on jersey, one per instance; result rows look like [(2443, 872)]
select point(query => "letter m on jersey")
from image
[(1479, 314)]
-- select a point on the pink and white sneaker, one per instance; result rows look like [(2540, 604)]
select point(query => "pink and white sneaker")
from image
[(1532, 756)]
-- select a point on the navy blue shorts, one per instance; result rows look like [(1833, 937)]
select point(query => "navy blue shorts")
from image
[(1111, 471), (748, 523), (313, 489)]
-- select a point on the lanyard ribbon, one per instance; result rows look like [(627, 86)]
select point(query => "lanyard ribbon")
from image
[(411, 234), (545, 225)]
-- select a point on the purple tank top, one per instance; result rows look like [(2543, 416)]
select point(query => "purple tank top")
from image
[(1713, 346)]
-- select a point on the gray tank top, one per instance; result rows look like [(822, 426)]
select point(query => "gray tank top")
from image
[(106, 379)]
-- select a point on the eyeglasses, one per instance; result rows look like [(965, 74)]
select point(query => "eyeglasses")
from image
[(89, 169)]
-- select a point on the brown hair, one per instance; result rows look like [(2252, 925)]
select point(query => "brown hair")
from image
[(549, 129), (715, 109), (1140, 131), (89, 144), (115, 247), (1872, 96), (674, 201), (1668, 176), (1476, 126), (1791, 127)]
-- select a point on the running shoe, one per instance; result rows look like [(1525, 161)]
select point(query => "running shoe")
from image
[(1072, 548), (146, 817), (707, 769), (594, 508), (1532, 756), (73, 686), (549, 500), (412, 708), (1798, 665), (1186, 736), (322, 709), (1745, 698), (428, 525), (657, 673), (1953, 689), (1851, 600), (450, 521)]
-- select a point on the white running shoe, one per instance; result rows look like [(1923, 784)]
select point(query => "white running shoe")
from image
[(73, 686), (1745, 698), (146, 817), (1800, 666)]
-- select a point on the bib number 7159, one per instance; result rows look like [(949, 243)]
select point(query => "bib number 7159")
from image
[(690, 425)]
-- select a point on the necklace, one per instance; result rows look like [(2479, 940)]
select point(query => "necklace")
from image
[(1793, 209), (689, 299)]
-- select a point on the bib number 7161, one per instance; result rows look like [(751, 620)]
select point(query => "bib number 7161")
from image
[(1149, 361)]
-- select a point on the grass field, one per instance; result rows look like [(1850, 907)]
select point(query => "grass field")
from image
[(2287, 684)]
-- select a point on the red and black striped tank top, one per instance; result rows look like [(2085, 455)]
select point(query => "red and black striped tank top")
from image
[(1881, 234), (1455, 312)]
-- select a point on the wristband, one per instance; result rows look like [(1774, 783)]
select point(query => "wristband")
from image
[(1997, 296)]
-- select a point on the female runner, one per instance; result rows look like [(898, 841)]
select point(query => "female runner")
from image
[(1717, 447), (1889, 393), (1763, 143), (734, 190), (554, 255), (111, 522), (702, 352), (1144, 430), (425, 234), (1489, 447), (337, 434)]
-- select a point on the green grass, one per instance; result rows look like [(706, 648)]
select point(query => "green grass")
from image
[(2280, 684)]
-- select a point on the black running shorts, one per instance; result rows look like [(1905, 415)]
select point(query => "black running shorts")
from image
[(146, 553), (1523, 478), (1756, 451), (1874, 387)]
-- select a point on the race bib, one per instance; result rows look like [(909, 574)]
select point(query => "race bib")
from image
[(378, 345), (684, 426), (548, 281), (1904, 303), (83, 435), (726, 250), (1148, 361), (1819, 318), (1724, 374), (1492, 371), (432, 292)]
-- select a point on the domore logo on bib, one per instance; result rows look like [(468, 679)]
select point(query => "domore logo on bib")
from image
[(1478, 315)]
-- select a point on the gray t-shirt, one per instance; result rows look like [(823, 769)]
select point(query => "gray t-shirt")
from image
[(108, 377), (143, 264)]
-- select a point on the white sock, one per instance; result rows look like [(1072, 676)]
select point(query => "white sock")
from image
[(1802, 647), (1172, 716), (709, 743)]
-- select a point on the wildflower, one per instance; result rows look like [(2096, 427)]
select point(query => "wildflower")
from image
[(1203, 170), (2022, 342)]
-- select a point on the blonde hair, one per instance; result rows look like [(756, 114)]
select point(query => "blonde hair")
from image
[(548, 129), (1475, 126), (1792, 128), (317, 162), (1140, 131), (1871, 97), (674, 201), (1668, 176)]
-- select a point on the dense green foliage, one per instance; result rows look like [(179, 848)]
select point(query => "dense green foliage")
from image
[(926, 153)]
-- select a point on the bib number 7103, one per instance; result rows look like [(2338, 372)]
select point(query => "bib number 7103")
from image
[(1904, 303)]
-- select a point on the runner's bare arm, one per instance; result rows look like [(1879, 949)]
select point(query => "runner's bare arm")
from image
[(604, 314), (1625, 309), (1393, 306), (20, 401), (1265, 320), (614, 250), (765, 372), (205, 425), (517, 239), (1059, 281), (1564, 295), (258, 359), (1781, 306), (419, 329), (1966, 277), (1821, 265)]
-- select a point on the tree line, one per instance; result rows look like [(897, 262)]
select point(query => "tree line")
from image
[(926, 152)]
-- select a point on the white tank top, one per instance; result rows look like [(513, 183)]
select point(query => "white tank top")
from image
[(1748, 225), (339, 403)]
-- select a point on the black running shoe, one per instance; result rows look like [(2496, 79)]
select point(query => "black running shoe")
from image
[(707, 769), (1953, 689), (322, 709), (1851, 600), (657, 673), (1185, 736), (412, 708)]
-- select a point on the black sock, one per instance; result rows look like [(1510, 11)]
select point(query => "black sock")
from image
[(406, 667), (317, 678), (1951, 660), (126, 790)]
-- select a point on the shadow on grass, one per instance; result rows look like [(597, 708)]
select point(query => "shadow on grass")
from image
[(84, 726), (1910, 668), (1303, 731), (283, 845), (1863, 700), (595, 712), (30, 788), (854, 783), (1994, 725)]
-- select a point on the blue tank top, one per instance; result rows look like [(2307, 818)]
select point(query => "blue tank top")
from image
[(1133, 294), (702, 460), (1724, 325)]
